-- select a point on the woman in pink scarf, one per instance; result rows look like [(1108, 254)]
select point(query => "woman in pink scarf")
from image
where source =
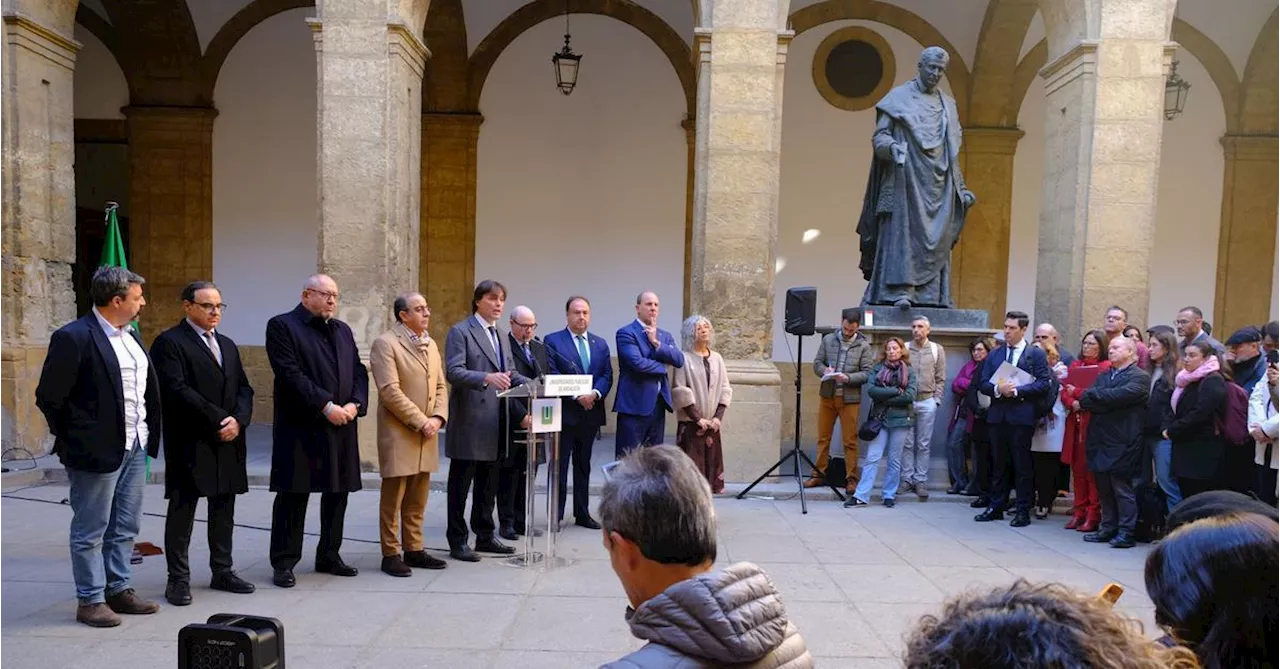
[(1200, 391)]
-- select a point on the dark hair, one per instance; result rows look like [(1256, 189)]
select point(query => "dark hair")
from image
[(484, 288), (1161, 328), (190, 290), (1098, 336), (1207, 327), (985, 341), (1214, 583), (401, 304), (1134, 328), (1168, 365), (1122, 310), (1194, 310), (1272, 330), (1034, 626), (109, 283), (569, 302), (1216, 503), (1021, 316)]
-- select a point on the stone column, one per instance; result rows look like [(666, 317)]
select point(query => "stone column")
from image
[(980, 262), (39, 213), (1101, 164), (369, 106), (735, 219), (448, 239), (1247, 239), (690, 126), (171, 206)]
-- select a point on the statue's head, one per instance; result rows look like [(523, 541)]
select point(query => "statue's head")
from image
[(932, 65)]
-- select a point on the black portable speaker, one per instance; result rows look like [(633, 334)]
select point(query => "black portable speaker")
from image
[(802, 307), (232, 641)]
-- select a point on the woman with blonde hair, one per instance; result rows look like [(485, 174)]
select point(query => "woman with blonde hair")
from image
[(701, 392)]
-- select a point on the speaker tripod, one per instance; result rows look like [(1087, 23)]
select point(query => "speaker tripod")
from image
[(795, 454)]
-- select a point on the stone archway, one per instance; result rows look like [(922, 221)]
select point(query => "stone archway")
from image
[(233, 30)]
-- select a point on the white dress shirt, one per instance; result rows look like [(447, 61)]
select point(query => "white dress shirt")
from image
[(1017, 352), (133, 377)]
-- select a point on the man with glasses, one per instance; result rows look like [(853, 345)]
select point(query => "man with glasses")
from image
[(1191, 327), (530, 357), (1114, 323), (321, 388), (207, 403)]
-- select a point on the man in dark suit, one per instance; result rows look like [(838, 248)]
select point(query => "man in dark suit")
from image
[(530, 358), (576, 351), (1012, 418), (478, 365), (644, 393), (321, 388), (100, 397), (207, 405)]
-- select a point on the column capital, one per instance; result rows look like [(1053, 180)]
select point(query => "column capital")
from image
[(452, 124), (1250, 147), (38, 38), (999, 140)]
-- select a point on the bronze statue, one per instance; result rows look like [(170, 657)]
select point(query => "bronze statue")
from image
[(916, 199)]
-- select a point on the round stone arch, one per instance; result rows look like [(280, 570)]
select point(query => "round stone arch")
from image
[(234, 30), (1258, 93), (668, 40)]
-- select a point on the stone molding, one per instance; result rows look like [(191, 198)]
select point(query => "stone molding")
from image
[(1080, 61), (819, 68), (25, 32)]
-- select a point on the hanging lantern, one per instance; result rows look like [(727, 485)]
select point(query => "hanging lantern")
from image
[(1175, 93), (566, 64)]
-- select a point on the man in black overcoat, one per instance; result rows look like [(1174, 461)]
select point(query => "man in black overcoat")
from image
[(207, 404), (321, 388), (530, 358)]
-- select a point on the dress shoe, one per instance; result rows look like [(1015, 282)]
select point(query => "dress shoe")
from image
[(394, 566), (230, 582), (284, 578), (814, 482), (1089, 525), (1074, 523), (889, 503), (421, 560), (335, 566), (988, 516), (588, 522), (128, 602), (463, 553), (980, 503), (922, 493), (955, 491), (1123, 540), (507, 532), (97, 615), (492, 545), (1099, 537), (1020, 519), (1042, 512), (178, 593)]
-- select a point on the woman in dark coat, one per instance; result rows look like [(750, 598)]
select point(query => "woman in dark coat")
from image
[(1199, 393)]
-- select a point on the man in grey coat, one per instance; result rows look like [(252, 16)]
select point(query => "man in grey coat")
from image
[(690, 615), (478, 365)]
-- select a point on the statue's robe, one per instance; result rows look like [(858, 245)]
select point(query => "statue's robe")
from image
[(912, 213)]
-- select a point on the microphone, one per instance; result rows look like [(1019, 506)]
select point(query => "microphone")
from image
[(556, 353)]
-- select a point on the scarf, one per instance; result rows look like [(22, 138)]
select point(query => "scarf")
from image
[(889, 370), (1186, 378)]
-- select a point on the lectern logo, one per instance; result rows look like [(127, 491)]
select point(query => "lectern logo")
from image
[(548, 413)]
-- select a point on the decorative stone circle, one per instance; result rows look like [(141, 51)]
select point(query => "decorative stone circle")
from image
[(853, 68)]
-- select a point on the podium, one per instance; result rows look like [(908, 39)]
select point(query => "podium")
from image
[(543, 395)]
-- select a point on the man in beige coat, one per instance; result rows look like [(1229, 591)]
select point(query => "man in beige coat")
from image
[(413, 404)]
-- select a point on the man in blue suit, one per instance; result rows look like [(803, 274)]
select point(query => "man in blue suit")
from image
[(644, 394), (1012, 418), (573, 350)]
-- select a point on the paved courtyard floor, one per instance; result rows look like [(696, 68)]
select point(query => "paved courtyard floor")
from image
[(854, 581)]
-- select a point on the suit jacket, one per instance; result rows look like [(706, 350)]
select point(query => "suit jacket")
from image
[(315, 362), (642, 370), (476, 432), (411, 390), (81, 396), (197, 394), (564, 359), (1018, 410)]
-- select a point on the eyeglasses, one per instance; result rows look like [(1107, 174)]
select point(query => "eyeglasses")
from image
[(608, 469), (325, 295), (1182, 321), (527, 326), (424, 309), (211, 308)]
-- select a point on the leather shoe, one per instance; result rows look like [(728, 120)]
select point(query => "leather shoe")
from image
[(1074, 523), (492, 545), (814, 482), (1089, 525), (1020, 519), (335, 566), (988, 516), (1123, 540), (97, 615), (955, 491), (507, 532), (178, 593), (463, 554), (588, 522), (126, 601), (230, 582), (393, 565), (1099, 537), (980, 503), (422, 560), (284, 578)]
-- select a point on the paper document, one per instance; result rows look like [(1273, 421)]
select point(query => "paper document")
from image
[(829, 376), (1007, 372)]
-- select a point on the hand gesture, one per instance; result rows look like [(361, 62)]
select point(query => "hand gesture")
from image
[(229, 429), (652, 333), (351, 409), (499, 380), (431, 427), (1256, 432), (899, 153), (715, 424), (1005, 388), (587, 401), (967, 197), (827, 370), (842, 377), (336, 415), (1071, 389), (526, 422), (703, 425)]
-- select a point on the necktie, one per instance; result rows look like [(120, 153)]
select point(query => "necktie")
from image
[(213, 346), (528, 355), (582, 352), (497, 348), (1009, 359)]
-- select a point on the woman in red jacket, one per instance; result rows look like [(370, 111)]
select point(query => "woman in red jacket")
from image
[(1086, 514)]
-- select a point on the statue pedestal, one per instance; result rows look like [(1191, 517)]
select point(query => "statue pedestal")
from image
[(885, 316)]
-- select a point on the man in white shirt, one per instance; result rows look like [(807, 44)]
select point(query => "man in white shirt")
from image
[(102, 402)]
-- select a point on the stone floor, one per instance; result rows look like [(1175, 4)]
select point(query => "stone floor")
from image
[(854, 582)]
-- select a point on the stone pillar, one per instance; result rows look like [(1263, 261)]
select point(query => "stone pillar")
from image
[(980, 262), (369, 106), (735, 218), (690, 126), (1247, 240), (448, 239), (1101, 164), (39, 214), (171, 206)]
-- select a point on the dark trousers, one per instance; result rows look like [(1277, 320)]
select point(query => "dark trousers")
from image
[(289, 517), (1189, 487), (513, 488), (1047, 467), (1011, 464), (1264, 483), (1118, 501), (576, 441), (980, 482), (178, 523), (480, 478), (634, 431)]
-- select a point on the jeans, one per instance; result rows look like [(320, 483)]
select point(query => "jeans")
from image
[(915, 452), (893, 438), (1163, 455), (106, 510), (957, 444)]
